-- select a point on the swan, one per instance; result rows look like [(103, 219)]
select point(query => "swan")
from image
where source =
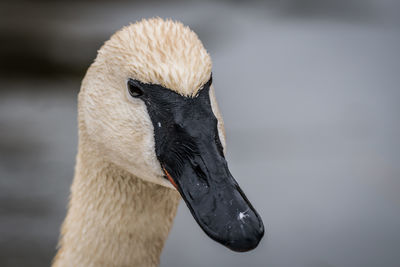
[(150, 133)]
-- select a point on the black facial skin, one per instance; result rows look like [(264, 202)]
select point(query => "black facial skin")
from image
[(188, 147)]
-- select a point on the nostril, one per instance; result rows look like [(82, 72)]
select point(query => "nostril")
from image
[(200, 173)]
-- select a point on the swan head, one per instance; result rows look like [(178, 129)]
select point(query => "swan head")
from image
[(147, 103)]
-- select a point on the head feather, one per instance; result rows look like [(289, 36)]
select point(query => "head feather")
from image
[(158, 51)]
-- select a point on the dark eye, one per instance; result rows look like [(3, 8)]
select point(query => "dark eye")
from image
[(134, 88)]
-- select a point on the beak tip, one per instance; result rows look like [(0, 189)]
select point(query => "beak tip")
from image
[(248, 242)]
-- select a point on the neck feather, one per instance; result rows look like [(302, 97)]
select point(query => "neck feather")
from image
[(114, 218)]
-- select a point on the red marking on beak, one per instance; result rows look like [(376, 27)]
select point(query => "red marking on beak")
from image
[(170, 178)]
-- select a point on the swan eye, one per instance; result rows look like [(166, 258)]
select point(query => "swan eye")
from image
[(134, 88)]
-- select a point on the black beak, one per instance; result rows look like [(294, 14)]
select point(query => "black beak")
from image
[(188, 147), (217, 203)]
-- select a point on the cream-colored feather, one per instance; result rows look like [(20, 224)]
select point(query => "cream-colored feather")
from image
[(121, 208)]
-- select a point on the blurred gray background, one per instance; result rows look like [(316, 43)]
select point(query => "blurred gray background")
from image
[(310, 93)]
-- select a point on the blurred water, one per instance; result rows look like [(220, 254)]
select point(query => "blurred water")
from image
[(310, 100)]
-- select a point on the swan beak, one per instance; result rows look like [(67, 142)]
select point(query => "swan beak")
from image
[(191, 155), (216, 202)]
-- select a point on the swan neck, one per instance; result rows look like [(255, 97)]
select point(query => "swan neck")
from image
[(114, 218)]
